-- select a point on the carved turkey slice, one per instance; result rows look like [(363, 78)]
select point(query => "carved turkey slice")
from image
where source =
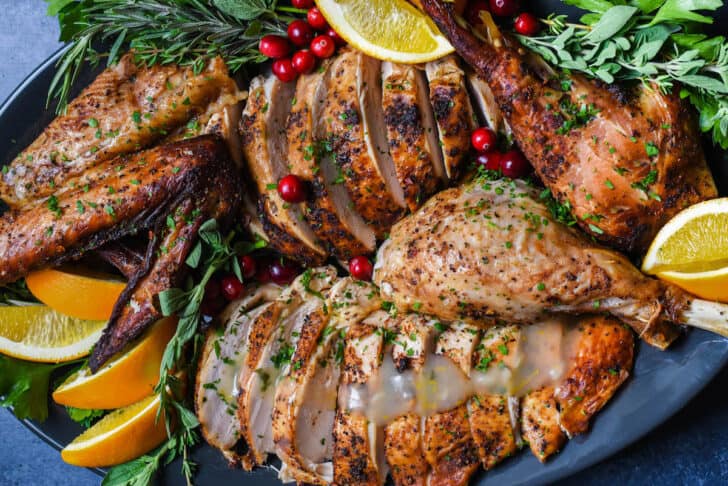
[(412, 134), (328, 208), (265, 149), (222, 358)]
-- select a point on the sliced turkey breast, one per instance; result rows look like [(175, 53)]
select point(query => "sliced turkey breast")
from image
[(602, 362), (448, 444), (272, 342), (222, 358), (485, 105), (453, 112), (262, 130), (540, 423), (353, 130), (491, 424), (358, 448), (403, 446), (328, 208), (411, 131)]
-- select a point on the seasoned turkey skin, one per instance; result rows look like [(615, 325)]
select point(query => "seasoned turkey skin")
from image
[(412, 133), (264, 143), (353, 130), (126, 108), (453, 112), (625, 168), (489, 250), (328, 208)]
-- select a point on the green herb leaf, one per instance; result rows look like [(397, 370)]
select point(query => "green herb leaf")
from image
[(84, 417), (24, 386)]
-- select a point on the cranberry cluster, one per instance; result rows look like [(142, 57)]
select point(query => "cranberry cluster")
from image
[(314, 38), (524, 23), (511, 163)]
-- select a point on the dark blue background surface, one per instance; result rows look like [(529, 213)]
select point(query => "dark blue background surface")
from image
[(692, 448)]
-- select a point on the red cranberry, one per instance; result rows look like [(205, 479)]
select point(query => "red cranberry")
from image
[(292, 189), (527, 24), (274, 46), (248, 266), (323, 46), (283, 69), (338, 40), (231, 287), (504, 8), (303, 61), (282, 272), (483, 139), (302, 3), (472, 14), (213, 301), (262, 273), (316, 19), (300, 33), (490, 160), (360, 268), (514, 164)]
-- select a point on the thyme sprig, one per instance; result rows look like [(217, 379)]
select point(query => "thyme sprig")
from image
[(652, 41), (185, 32)]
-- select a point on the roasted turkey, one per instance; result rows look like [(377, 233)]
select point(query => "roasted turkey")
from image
[(490, 251), (625, 159), (344, 392)]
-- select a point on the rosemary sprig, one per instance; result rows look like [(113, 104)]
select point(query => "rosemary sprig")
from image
[(186, 32), (652, 41)]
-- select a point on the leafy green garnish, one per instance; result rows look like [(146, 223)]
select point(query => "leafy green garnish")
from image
[(24, 387), (84, 417), (560, 211), (185, 32), (16, 291), (650, 41)]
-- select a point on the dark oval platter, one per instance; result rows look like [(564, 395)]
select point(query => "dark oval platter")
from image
[(661, 384)]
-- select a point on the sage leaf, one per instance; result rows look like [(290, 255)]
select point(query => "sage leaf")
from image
[(682, 10), (243, 9), (612, 21)]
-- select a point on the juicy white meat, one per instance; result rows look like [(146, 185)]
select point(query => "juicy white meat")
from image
[(411, 131), (273, 338), (486, 106), (222, 358), (265, 149), (358, 442), (448, 444), (490, 250), (453, 112), (353, 129), (328, 208)]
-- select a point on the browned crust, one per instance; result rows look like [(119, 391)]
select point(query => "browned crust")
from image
[(490, 425), (134, 106), (407, 137), (342, 115), (604, 358), (403, 450), (540, 423), (449, 448)]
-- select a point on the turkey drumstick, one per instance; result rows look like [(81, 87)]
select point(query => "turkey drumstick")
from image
[(489, 251), (625, 160)]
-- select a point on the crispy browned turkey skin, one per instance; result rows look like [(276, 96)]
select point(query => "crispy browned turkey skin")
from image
[(625, 169), (126, 108), (169, 191)]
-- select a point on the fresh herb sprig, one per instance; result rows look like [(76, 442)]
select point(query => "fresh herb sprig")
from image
[(652, 41), (185, 32), (212, 253)]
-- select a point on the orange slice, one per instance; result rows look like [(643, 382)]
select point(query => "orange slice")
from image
[(121, 436), (76, 293), (125, 379)]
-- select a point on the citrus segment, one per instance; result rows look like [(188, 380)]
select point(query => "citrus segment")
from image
[(123, 380), (691, 250), (74, 292), (390, 30), (39, 333), (119, 437)]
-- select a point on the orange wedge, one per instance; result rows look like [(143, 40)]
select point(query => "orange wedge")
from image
[(75, 292), (121, 436), (125, 379)]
